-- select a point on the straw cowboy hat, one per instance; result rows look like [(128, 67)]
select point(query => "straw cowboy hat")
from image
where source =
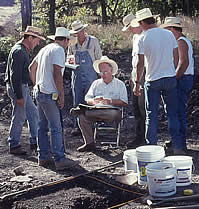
[(144, 14), (61, 32), (171, 22), (128, 21), (33, 31), (77, 26), (106, 60)]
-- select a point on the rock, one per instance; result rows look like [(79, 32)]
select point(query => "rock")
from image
[(19, 171), (26, 178)]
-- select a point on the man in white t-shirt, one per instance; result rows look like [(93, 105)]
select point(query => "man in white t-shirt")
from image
[(108, 91), (184, 70), (131, 25), (46, 74), (157, 47)]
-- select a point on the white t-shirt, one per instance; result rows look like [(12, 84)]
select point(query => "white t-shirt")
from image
[(190, 68), (51, 54), (136, 38), (116, 89), (157, 45)]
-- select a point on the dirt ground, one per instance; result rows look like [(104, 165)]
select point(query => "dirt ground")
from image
[(86, 186)]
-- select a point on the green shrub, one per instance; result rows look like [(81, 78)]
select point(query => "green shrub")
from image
[(6, 44)]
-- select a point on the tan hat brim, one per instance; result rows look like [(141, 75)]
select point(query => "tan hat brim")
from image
[(32, 34), (171, 25), (52, 37), (77, 31), (143, 18), (111, 62), (126, 27)]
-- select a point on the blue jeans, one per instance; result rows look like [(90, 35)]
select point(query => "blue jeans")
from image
[(165, 87), (184, 86), (49, 117), (20, 114)]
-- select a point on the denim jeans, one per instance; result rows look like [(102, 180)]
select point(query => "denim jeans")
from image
[(20, 114), (184, 86), (165, 87), (49, 118)]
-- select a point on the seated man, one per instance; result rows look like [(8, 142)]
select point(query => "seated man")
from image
[(108, 95)]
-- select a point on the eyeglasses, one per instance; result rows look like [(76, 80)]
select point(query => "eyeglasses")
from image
[(103, 73)]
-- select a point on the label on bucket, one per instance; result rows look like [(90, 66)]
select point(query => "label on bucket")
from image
[(142, 170), (162, 187), (183, 176)]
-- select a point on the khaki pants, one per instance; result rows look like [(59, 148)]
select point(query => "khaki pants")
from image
[(86, 120)]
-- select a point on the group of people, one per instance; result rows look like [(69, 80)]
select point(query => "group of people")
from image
[(165, 56), (162, 61)]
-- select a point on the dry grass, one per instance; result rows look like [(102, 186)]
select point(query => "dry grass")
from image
[(111, 36)]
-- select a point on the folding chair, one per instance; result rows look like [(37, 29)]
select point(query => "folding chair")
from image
[(108, 131)]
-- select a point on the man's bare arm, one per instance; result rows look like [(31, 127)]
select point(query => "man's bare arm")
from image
[(183, 62), (57, 75), (33, 71), (139, 74)]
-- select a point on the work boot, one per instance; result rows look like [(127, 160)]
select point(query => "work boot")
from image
[(65, 164), (44, 163), (17, 150), (87, 147)]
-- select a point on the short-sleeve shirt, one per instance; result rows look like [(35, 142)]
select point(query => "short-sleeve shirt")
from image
[(157, 46), (116, 89), (48, 56)]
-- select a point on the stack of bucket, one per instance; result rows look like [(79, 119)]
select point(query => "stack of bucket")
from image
[(161, 174)]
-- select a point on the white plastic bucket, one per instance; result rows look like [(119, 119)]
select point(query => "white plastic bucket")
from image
[(146, 155), (183, 166), (161, 179), (130, 161)]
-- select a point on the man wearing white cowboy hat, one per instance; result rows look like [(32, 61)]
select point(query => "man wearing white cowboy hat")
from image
[(107, 91), (157, 47), (86, 51), (17, 79), (131, 25), (184, 70), (46, 74)]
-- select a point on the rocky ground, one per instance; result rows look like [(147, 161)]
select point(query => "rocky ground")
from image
[(93, 184)]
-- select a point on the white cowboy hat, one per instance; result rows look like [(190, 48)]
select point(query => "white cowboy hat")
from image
[(77, 26), (72, 41), (127, 22), (106, 60), (33, 31), (172, 22), (144, 14), (61, 32)]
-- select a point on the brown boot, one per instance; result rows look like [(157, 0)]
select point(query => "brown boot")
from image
[(17, 150), (87, 147), (65, 164)]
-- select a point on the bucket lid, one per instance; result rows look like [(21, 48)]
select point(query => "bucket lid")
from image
[(160, 166), (150, 150), (176, 158), (130, 152)]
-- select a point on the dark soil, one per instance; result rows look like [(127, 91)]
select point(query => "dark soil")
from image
[(80, 188)]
